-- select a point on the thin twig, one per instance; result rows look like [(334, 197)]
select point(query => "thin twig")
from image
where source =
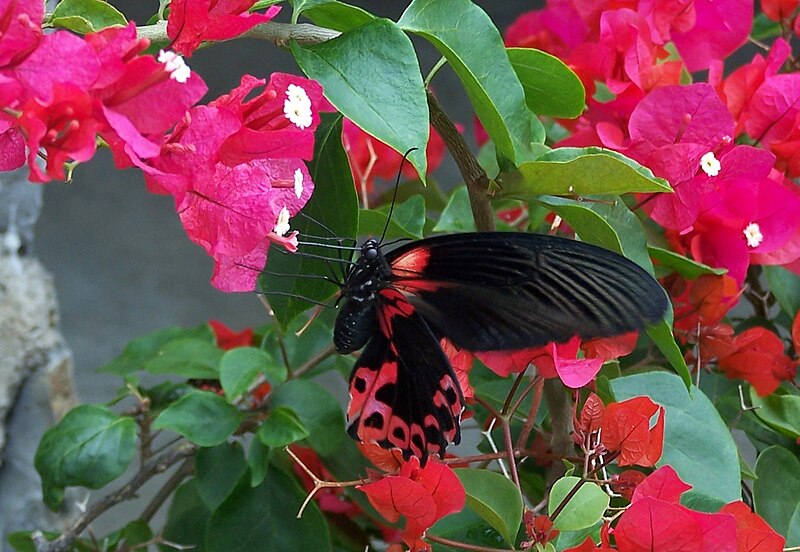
[(527, 427), (184, 470), (585, 479), (467, 546), (319, 483), (511, 392), (314, 361), (506, 427), (127, 491), (479, 457)]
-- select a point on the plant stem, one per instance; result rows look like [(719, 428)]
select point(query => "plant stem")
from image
[(509, 452), (432, 73), (527, 427), (280, 34), (126, 492), (558, 405), (466, 546), (184, 470), (314, 361), (473, 174)]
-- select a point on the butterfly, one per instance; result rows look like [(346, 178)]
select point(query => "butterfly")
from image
[(483, 291)]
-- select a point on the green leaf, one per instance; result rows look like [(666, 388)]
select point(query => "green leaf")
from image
[(318, 410), (337, 15), (90, 447), (254, 519), (610, 225), (793, 534), (764, 28), (261, 4), (466, 36), (187, 519), (21, 541), (584, 509), (217, 471), (662, 336), (684, 266), (779, 411), (135, 533), (335, 205), (457, 215), (202, 417), (785, 286), (551, 88), (258, 457), (282, 428), (146, 347), (371, 74), (582, 171), (408, 220), (776, 490), (465, 526), (240, 367), (86, 16), (697, 443), (494, 498), (187, 358)]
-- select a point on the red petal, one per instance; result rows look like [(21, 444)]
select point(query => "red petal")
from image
[(663, 484), (608, 348), (753, 534), (227, 338), (395, 496), (650, 525), (626, 428), (444, 486)]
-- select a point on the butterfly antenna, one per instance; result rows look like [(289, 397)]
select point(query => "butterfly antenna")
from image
[(394, 195), (320, 224)]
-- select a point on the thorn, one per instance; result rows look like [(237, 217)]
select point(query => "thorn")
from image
[(743, 406)]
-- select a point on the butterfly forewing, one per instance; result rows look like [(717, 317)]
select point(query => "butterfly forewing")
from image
[(403, 391), (501, 290)]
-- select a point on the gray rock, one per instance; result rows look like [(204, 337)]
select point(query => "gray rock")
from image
[(36, 382)]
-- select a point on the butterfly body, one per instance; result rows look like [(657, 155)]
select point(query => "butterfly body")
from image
[(484, 291), (357, 317)]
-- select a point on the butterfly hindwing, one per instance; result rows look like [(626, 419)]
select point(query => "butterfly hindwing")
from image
[(507, 290), (403, 392)]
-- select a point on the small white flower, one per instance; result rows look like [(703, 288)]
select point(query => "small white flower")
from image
[(710, 164), (298, 183), (175, 66), (753, 234), (282, 226), (297, 107)]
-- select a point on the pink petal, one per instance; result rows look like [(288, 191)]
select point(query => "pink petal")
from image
[(722, 27)]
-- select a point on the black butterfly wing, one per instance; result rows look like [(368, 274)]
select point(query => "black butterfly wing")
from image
[(508, 290), (403, 392)]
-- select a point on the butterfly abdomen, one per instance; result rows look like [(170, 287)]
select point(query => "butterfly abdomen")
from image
[(355, 324)]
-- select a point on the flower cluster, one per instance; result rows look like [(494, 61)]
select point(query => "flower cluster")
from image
[(727, 147), (656, 520), (234, 167)]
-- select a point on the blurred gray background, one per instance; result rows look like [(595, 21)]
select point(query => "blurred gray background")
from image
[(122, 264)]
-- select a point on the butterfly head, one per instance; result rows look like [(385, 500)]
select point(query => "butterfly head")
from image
[(370, 251)]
